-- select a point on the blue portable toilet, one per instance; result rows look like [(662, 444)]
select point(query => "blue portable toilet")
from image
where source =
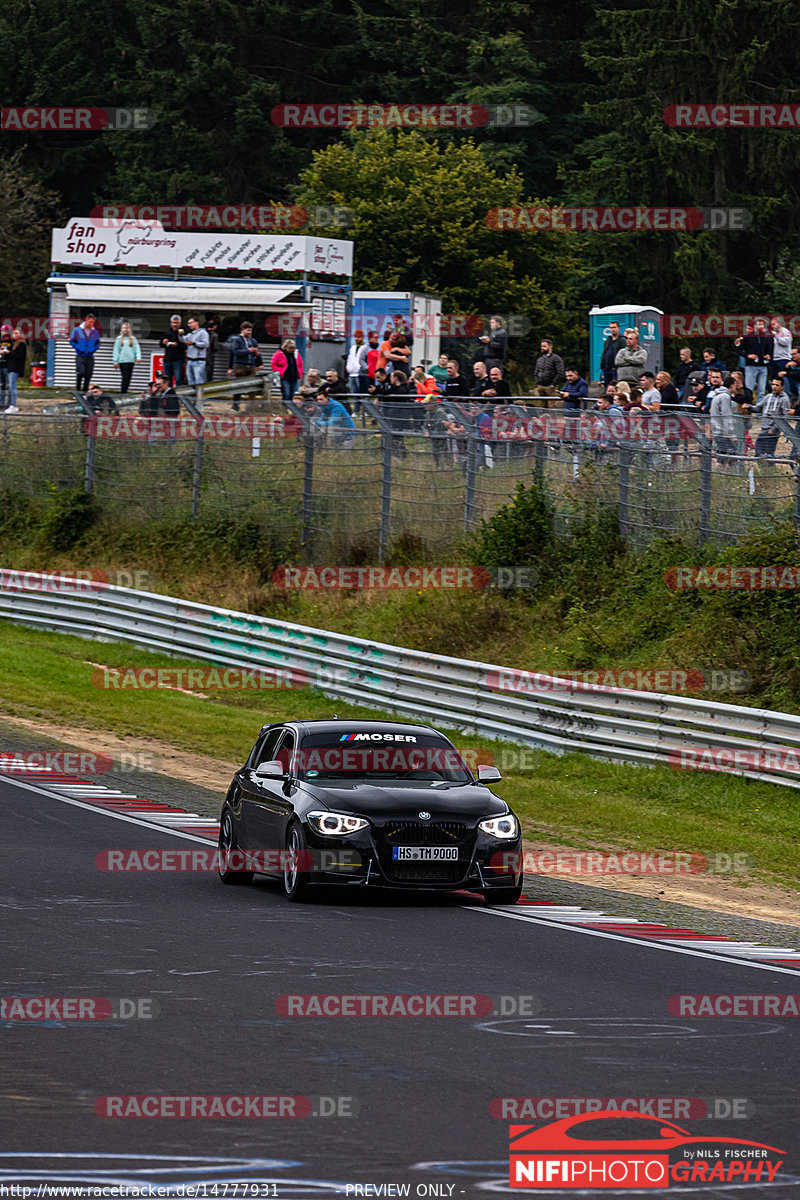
[(630, 316)]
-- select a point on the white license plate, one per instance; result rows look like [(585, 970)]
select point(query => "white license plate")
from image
[(425, 853)]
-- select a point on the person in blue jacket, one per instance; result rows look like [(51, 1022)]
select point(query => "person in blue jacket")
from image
[(85, 341), (575, 391), (333, 416)]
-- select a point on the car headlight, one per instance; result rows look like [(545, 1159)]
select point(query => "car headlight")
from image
[(500, 827), (334, 823)]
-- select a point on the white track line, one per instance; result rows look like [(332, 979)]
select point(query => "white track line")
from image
[(619, 937)]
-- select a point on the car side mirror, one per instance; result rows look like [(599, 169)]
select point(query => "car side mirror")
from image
[(273, 769), (488, 774)]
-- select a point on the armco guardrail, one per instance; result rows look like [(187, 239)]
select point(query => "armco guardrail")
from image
[(629, 726)]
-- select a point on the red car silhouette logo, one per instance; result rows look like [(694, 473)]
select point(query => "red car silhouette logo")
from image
[(628, 1149)]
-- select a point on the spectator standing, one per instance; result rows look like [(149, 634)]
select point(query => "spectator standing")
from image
[(455, 384), (790, 375), (196, 342), (666, 389), (353, 364), (425, 384), (439, 372), (774, 404), (174, 351), (683, 370), (434, 428), (496, 343), (212, 329), (244, 356), (398, 356), (630, 360), (720, 411), (288, 362), (481, 377), (5, 347), (17, 357), (363, 368), (613, 344), (125, 354), (575, 392), (712, 362), (549, 372), (373, 354), (781, 348), (85, 341), (651, 396), (757, 349), (496, 387)]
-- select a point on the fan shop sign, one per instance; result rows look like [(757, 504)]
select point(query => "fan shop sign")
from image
[(92, 242), (213, 426)]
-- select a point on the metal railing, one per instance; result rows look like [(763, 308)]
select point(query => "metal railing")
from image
[(556, 715), (330, 496)]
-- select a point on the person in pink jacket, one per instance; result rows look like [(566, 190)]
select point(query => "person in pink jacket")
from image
[(289, 364)]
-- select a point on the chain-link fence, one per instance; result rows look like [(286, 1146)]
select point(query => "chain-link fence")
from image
[(430, 471)]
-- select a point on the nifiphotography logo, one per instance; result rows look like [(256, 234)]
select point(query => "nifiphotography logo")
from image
[(616, 1149)]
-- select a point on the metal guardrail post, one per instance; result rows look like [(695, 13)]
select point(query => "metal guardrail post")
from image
[(384, 527), (88, 479), (469, 493), (704, 528), (308, 493), (624, 490)]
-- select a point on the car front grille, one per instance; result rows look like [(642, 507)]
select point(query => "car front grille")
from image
[(424, 833)]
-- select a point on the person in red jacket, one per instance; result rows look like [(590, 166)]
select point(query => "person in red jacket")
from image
[(288, 362)]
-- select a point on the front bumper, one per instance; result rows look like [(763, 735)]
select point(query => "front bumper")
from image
[(364, 859)]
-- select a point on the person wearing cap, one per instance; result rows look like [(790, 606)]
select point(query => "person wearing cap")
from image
[(174, 350), (698, 391), (85, 341), (196, 343), (288, 362)]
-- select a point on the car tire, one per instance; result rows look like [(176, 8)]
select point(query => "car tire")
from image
[(295, 882), (503, 895), (227, 843)]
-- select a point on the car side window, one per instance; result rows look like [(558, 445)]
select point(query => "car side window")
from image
[(264, 749), (285, 750)]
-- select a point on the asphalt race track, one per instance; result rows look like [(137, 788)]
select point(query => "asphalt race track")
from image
[(213, 961)]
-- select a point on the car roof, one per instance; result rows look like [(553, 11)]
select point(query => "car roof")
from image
[(327, 725)]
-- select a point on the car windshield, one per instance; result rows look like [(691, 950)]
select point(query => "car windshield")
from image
[(383, 757)]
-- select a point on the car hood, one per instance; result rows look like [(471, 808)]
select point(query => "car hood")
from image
[(408, 800)]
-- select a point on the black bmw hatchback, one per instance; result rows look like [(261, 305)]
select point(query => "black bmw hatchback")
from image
[(367, 804)]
